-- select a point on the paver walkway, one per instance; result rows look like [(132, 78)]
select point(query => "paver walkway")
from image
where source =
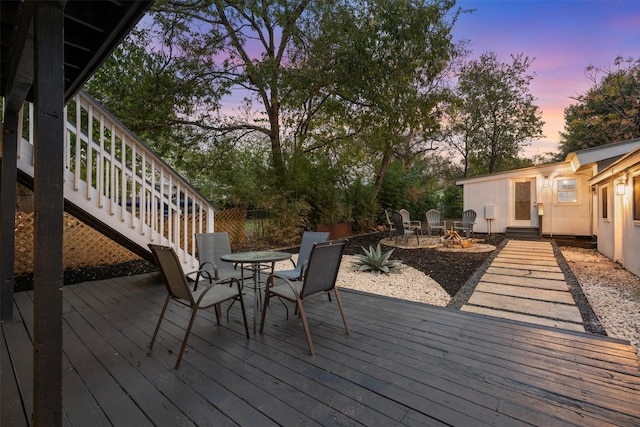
[(524, 282)]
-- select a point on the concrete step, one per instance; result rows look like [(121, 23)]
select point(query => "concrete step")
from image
[(522, 232)]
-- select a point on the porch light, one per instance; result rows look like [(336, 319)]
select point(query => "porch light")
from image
[(621, 187), (545, 182)]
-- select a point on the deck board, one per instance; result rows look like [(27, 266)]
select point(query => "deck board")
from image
[(404, 363)]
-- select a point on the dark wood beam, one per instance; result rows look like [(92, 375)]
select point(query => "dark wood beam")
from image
[(121, 23), (8, 213), (20, 69), (49, 202)]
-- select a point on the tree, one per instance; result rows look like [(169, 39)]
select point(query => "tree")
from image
[(320, 71), (382, 66), (154, 92), (608, 112), (495, 116), (254, 38), (334, 91)]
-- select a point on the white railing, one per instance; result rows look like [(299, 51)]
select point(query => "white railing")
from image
[(119, 181)]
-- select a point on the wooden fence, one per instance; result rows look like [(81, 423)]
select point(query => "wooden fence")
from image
[(86, 247)]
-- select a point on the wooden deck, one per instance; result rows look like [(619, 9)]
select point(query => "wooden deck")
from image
[(403, 364)]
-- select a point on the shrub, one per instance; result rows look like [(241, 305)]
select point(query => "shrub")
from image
[(377, 262)]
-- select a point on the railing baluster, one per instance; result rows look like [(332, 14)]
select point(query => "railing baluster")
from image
[(77, 160), (89, 170), (67, 141), (134, 175), (113, 183), (193, 226), (153, 214), (170, 234), (143, 196), (101, 172), (185, 223), (123, 179), (19, 130)]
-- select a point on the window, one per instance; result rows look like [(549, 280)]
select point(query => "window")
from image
[(567, 191), (636, 198), (604, 197)]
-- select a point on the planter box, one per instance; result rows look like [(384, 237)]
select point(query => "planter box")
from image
[(336, 231)]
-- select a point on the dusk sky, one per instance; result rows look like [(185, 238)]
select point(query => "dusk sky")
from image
[(564, 37)]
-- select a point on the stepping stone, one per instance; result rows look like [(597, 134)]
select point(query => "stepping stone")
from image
[(521, 266), (527, 306), (529, 260), (525, 318), (560, 296), (558, 285), (525, 272)]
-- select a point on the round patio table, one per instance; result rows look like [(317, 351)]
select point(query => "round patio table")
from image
[(255, 259)]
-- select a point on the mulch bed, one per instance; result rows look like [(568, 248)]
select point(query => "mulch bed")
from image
[(450, 269)]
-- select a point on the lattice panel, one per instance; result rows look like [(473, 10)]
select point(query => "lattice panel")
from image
[(23, 262), (233, 222), (83, 246)]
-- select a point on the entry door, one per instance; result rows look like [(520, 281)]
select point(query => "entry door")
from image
[(524, 209)]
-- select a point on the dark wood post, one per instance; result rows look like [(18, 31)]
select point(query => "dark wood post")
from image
[(8, 213), (49, 207)]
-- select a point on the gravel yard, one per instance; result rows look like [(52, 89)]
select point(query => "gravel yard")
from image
[(612, 291)]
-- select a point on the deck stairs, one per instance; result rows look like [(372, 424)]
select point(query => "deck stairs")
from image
[(522, 233), (117, 185)]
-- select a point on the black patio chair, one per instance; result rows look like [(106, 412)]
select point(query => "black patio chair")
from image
[(402, 228)]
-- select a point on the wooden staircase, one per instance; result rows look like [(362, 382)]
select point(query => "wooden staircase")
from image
[(116, 184)]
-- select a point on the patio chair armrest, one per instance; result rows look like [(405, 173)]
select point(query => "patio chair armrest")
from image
[(215, 269), (199, 273), (271, 280)]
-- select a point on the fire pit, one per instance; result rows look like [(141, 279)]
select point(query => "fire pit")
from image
[(455, 240)]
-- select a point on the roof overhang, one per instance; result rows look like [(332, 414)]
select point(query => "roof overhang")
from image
[(92, 29), (584, 159), (520, 173), (618, 168)]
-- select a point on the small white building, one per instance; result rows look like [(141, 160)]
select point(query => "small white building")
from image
[(576, 197)]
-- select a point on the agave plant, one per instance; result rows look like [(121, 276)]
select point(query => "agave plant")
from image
[(377, 262)]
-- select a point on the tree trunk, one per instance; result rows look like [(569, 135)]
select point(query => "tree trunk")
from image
[(384, 165)]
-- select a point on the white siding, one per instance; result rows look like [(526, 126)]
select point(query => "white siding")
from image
[(606, 240), (570, 219), (492, 192), (631, 231)]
